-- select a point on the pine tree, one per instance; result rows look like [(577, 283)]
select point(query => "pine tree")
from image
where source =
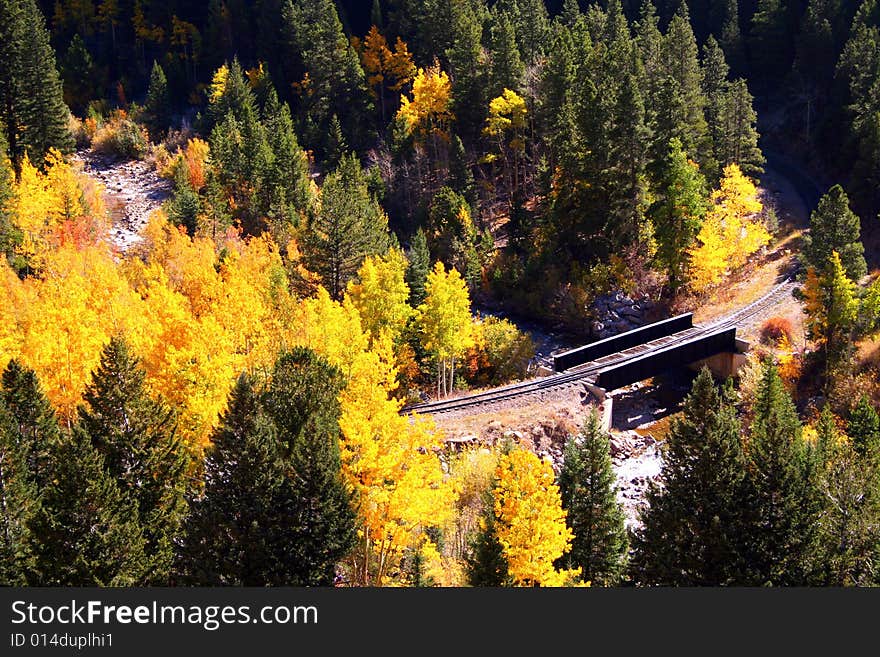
[(849, 521), (769, 43), (348, 226), (486, 565), (678, 213), (784, 501), (19, 502), (468, 70), (589, 496), (739, 136), (419, 265), (158, 103), (336, 146), (237, 531), (32, 108), (531, 24), (834, 227), (832, 312), (136, 436), (302, 400), (33, 419), (684, 117), (331, 80), (287, 177), (10, 235), (692, 519), (731, 39), (461, 178), (86, 532), (78, 72), (715, 89), (184, 207), (863, 428), (507, 68)]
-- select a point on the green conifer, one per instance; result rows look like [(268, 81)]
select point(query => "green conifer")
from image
[(589, 496)]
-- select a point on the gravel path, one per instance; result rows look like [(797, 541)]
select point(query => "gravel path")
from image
[(133, 190)]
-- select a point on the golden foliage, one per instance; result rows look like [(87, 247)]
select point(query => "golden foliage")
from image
[(381, 295), (507, 113), (730, 233), (55, 205), (392, 463), (530, 520), (429, 110)]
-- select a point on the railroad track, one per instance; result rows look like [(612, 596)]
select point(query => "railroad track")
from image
[(577, 375)]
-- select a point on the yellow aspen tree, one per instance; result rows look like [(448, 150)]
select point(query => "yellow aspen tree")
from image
[(330, 328), (730, 232), (401, 66), (507, 116), (380, 294), (74, 306), (530, 520), (428, 113), (392, 463), (53, 202), (445, 322)]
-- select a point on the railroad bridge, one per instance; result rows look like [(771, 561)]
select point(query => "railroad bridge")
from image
[(606, 365)]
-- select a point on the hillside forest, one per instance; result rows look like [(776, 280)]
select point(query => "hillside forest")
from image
[(367, 200)]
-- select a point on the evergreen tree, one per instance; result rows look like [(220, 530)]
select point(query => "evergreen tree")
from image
[(715, 89), (32, 108), (237, 531), (849, 521), (678, 213), (731, 39), (33, 419), (507, 69), (684, 116), (468, 70), (769, 42), (335, 82), (691, 523), (863, 428), (183, 210), (78, 73), (486, 565), (461, 179), (136, 436), (589, 496), (832, 312), (348, 226), (86, 532), (784, 500), (419, 265), (531, 24), (287, 177), (739, 137), (336, 146), (302, 400), (158, 103), (10, 236), (19, 502), (834, 227)]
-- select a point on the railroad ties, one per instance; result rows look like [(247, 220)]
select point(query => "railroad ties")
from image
[(622, 359)]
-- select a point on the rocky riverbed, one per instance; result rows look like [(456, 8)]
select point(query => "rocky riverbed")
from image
[(133, 190)]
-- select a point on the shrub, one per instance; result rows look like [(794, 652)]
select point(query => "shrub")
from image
[(775, 329), (121, 137), (501, 353)]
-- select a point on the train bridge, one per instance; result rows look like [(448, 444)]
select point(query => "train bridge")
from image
[(605, 365)]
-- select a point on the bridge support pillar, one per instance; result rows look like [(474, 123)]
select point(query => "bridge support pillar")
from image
[(725, 364), (604, 403)]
